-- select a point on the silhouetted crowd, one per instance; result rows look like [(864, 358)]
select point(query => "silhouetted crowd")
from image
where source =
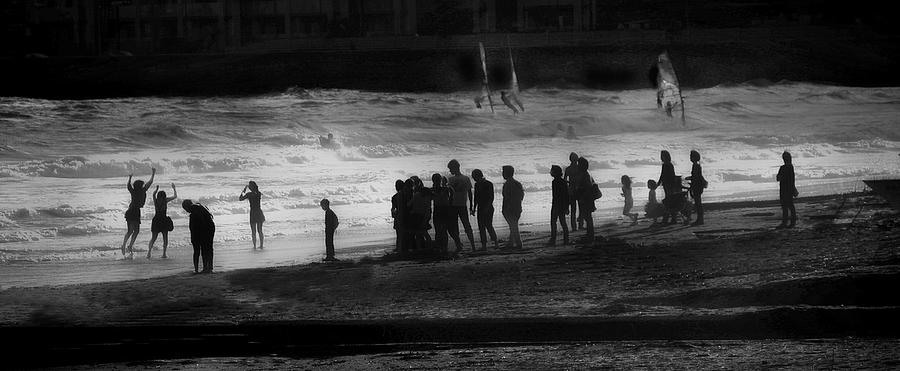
[(417, 208)]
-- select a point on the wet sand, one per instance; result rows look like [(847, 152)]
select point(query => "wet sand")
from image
[(736, 278)]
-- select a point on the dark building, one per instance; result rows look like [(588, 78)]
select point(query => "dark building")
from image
[(92, 27)]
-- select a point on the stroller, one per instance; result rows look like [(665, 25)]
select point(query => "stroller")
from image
[(678, 203)]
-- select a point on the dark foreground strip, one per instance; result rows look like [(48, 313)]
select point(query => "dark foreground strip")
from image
[(28, 347)]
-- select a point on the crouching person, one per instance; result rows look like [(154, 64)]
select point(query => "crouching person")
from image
[(203, 229)]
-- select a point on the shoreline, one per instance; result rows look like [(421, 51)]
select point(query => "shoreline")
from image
[(737, 277), (288, 251)]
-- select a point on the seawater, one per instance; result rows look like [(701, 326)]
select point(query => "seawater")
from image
[(64, 163)]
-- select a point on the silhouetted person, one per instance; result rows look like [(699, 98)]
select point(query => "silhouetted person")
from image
[(571, 177), (484, 208), (328, 142), (409, 237), (559, 205), (671, 187), (398, 209), (698, 183), (508, 102), (256, 214), (450, 217), (203, 229), (420, 213), (584, 192), (787, 190), (138, 193), (462, 193), (331, 224), (513, 193), (442, 214), (161, 223), (653, 209), (514, 97), (480, 98), (629, 199)]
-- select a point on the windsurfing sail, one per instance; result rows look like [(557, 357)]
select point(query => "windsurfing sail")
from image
[(513, 93), (668, 93), (485, 88)]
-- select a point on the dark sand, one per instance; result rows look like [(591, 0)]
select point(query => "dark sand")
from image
[(734, 293)]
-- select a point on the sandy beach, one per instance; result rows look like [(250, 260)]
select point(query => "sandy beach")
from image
[(736, 279)]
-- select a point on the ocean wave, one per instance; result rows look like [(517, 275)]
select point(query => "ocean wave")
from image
[(78, 253), (77, 167), (83, 229), (297, 159), (194, 165), (728, 176), (13, 115), (162, 131), (11, 153), (766, 140), (80, 167), (67, 211), (5, 222), (642, 162), (19, 236), (729, 106), (876, 143), (833, 96), (209, 200), (22, 213), (301, 93), (393, 100), (757, 83), (350, 154), (534, 188), (383, 150), (284, 140), (431, 118)]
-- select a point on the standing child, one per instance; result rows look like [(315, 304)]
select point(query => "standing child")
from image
[(484, 208), (653, 209), (559, 206), (331, 224), (133, 214), (513, 193), (256, 214), (161, 222), (698, 183), (629, 199)]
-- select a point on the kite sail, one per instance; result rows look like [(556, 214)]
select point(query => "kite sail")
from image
[(668, 93)]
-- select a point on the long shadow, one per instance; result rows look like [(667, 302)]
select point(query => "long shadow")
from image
[(862, 290)]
